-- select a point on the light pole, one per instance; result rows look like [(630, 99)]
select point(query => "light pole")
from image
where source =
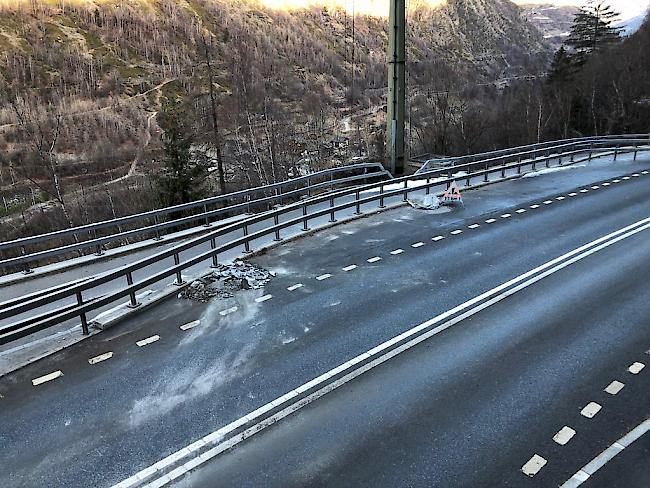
[(396, 85)]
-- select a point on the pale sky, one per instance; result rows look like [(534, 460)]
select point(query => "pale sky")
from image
[(628, 8)]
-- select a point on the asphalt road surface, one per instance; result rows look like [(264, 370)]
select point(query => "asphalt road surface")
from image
[(468, 407)]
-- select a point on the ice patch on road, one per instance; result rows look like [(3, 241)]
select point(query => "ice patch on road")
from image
[(187, 385)]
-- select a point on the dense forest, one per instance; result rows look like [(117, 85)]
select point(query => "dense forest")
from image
[(92, 91)]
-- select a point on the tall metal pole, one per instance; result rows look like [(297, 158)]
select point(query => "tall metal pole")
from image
[(396, 85)]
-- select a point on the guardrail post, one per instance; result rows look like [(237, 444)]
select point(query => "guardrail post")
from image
[(155, 222), (503, 169), (406, 190), (304, 217), (485, 176), (205, 212), (82, 315), (548, 158), (179, 278), (381, 196), (591, 149), (134, 301), (247, 244), (332, 219), (356, 196), (98, 247), (616, 152), (248, 205), (309, 186), (635, 151), (276, 222), (428, 188), (519, 165), (27, 269), (560, 160), (215, 259)]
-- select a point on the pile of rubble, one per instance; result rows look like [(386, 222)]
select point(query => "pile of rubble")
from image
[(225, 280)]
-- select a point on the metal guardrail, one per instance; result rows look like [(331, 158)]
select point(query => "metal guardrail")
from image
[(502, 152), (482, 169), (279, 192)]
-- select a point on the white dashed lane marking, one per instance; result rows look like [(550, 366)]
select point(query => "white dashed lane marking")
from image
[(616, 181), (100, 358), (532, 467), (228, 311), (417, 244), (438, 238), (626, 177), (47, 377), (350, 268), (473, 226), (264, 298), (560, 198), (614, 387), (534, 206), (547, 202), (323, 277), (397, 251), (490, 221), (590, 410), (584, 190), (506, 216), (595, 187), (295, 287), (564, 435), (456, 232), (374, 260), (636, 368), (606, 184), (573, 194), (190, 325), (147, 341), (521, 210)]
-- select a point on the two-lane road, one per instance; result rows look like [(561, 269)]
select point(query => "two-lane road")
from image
[(473, 403)]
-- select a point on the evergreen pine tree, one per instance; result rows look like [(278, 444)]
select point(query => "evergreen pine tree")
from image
[(562, 68), (593, 30), (184, 171)]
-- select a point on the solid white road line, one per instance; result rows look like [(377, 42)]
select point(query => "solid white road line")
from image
[(147, 341), (614, 387), (590, 410), (534, 464), (323, 277), (607, 455), (350, 268), (417, 244), (374, 260), (381, 354), (636, 368), (456, 232), (191, 325), (397, 251), (48, 377), (564, 435), (294, 287), (264, 298), (437, 238), (228, 311), (100, 358)]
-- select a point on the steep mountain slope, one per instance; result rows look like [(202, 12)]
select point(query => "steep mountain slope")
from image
[(554, 22), (94, 72)]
